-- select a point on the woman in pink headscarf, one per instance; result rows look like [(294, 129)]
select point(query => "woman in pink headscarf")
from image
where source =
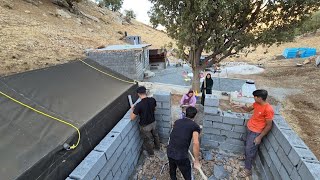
[(188, 99)]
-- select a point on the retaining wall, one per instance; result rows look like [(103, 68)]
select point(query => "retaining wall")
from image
[(282, 153), (116, 156)]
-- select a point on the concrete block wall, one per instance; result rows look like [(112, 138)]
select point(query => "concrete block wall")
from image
[(115, 157), (283, 154), (125, 62), (222, 130), (163, 114)]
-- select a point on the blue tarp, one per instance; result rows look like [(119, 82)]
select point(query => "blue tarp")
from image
[(299, 52)]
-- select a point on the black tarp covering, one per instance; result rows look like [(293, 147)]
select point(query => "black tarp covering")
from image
[(31, 145)]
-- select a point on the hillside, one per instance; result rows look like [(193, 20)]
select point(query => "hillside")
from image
[(33, 36)]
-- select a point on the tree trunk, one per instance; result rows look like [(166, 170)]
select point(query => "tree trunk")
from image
[(196, 68)]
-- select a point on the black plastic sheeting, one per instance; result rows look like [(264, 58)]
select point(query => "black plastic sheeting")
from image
[(31, 145)]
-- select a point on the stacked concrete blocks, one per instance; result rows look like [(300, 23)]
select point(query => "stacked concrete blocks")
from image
[(115, 157), (163, 114), (125, 62), (285, 155), (222, 130)]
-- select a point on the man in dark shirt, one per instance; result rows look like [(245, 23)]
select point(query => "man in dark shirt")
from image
[(183, 131), (145, 109)]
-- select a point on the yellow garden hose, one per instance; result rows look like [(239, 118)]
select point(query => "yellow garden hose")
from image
[(45, 114)]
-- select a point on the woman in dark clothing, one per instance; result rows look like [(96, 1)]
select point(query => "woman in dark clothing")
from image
[(206, 87)]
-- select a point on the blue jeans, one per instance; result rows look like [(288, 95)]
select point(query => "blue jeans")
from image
[(251, 148)]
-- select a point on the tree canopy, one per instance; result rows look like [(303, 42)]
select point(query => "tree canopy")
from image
[(113, 5), (225, 27)]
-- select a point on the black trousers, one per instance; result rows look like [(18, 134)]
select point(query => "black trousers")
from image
[(183, 165)]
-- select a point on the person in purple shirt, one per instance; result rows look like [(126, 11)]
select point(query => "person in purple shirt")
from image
[(188, 99)]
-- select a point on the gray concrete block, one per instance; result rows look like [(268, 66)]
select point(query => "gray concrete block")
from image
[(288, 138), (266, 156), (164, 130), (124, 173), (231, 120), (213, 118), (275, 159), (109, 144), (123, 127), (162, 96), (280, 122), (207, 123), (295, 175), (266, 142), (231, 134), (211, 111), (117, 165), (69, 178), (285, 161), (274, 143), (275, 172), (235, 141), (207, 143), (297, 154), (122, 146), (218, 138), (90, 166), (213, 102), (240, 129), (163, 111), (166, 118), (309, 170), (284, 174), (97, 178), (232, 148), (221, 126), (117, 175), (124, 165), (207, 130), (166, 105)]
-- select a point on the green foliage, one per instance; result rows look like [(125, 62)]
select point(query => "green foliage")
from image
[(129, 14), (113, 5), (225, 27), (311, 25)]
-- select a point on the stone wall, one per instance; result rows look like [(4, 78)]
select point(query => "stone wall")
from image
[(222, 130), (283, 154), (116, 156), (163, 114), (127, 62)]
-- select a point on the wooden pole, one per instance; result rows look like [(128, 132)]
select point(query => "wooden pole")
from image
[(204, 177)]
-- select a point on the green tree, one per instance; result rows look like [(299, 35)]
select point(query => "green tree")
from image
[(225, 27), (113, 5), (129, 14), (311, 25)]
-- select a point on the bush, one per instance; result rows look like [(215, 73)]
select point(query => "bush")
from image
[(311, 25)]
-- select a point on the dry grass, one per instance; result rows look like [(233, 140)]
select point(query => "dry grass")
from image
[(33, 37)]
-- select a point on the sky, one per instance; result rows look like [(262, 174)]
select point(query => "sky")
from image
[(140, 7)]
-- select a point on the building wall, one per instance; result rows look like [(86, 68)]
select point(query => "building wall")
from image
[(123, 62), (116, 156)]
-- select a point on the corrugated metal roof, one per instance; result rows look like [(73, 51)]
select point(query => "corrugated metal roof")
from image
[(125, 47)]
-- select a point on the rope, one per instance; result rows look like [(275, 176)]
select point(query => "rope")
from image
[(134, 82), (47, 115)]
